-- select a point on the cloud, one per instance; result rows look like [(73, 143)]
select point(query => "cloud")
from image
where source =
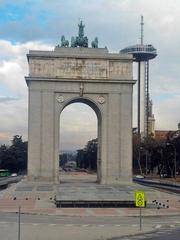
[(13, 89), (78, 124), (77, 120), (7, 99), (14, 66), (167, 113), (39, 25)]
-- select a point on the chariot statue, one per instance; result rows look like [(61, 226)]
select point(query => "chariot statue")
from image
[(80, 40)]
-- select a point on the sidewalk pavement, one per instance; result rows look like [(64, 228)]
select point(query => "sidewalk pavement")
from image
[(38, 198), (76, 232)]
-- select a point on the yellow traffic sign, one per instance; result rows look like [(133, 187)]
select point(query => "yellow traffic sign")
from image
[(140, 199)]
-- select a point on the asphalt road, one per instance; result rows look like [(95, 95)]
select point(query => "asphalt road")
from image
[(164, 234), (43, 227), (174, 235), (45, 219), (28, 218)]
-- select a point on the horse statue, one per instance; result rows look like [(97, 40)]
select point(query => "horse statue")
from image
[(73, 42), (94, 43), (64, 42)]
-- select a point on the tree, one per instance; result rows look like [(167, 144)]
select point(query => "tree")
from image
[(87, 157), (80, 158), (157, 154), (148, 154), (63, 158), (14, 157), (91, 154)]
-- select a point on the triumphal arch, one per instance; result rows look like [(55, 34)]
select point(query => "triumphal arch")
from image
[(93, 76)]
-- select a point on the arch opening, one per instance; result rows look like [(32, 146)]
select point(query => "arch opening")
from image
[(80, 141)]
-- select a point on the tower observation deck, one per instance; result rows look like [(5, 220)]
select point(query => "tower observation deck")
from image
[(142, 54)]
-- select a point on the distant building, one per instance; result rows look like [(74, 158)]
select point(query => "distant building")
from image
[(151, 120), (163, 135)]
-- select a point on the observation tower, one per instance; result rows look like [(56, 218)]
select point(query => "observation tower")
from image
[(142, 54)]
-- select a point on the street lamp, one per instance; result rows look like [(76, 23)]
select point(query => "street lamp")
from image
[(170, 144), (139, 159), (146, 160)]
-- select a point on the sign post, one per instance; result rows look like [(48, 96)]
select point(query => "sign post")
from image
[(19, 223), (140, 202)]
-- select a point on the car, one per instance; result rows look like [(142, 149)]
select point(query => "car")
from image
[(139, 176), (14, 175)]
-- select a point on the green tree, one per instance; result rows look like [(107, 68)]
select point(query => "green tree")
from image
[(147, 154), (14, 157), (87, 157), (91, 154), (80, 158)]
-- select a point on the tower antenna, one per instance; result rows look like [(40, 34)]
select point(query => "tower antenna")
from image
[(142, 54), (142, 30)]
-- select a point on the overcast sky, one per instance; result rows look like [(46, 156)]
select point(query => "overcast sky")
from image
[(39, 24)]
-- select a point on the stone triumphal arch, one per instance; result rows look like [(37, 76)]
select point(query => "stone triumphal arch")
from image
[(93, 76)]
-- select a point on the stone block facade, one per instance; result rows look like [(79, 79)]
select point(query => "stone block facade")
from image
[(96, 77)]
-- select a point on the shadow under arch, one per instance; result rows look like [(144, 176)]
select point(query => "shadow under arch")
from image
[(97, 110)]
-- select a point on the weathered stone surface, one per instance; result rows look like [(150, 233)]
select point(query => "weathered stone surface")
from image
[(98, 78), (80, 65)]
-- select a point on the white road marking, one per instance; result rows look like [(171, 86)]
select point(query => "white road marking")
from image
[(134, 225), (35, 224), (172, 226), (158, 226), (69, 225)]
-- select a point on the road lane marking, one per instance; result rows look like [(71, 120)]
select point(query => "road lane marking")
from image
[(134, 225), (172, 226), (158, 226)]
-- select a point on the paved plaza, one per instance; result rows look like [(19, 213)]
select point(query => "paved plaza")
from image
[(39, 197), (43, 220)]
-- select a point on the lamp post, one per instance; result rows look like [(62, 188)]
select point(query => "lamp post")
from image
[(170, 144), (146, 151), (139, 159)]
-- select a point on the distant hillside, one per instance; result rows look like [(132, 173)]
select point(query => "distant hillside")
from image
[(73, 152)]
